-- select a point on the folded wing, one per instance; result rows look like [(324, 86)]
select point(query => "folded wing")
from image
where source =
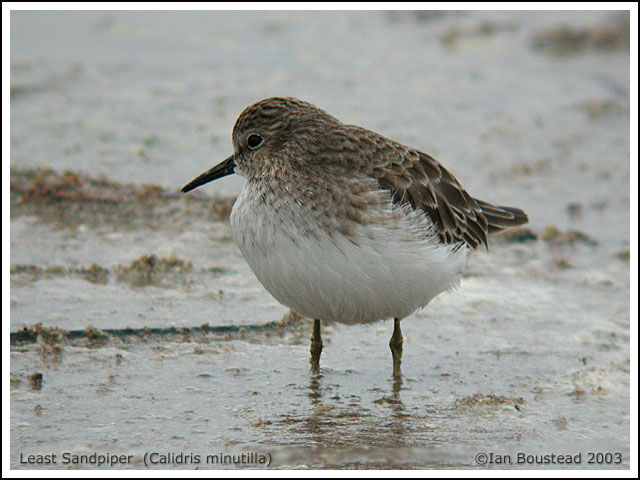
[(417, 179)]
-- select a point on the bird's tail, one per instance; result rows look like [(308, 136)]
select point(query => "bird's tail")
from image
[(500, 218)]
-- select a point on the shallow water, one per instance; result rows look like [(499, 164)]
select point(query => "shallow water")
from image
[(530, 354)]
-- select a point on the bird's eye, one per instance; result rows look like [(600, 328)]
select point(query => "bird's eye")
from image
[(254, 141)]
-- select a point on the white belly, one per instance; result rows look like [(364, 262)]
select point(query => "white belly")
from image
[(380, 272)]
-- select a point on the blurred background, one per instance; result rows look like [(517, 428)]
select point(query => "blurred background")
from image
[(112, 112)]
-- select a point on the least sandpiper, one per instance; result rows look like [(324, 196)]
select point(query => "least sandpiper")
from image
[(340, 223)]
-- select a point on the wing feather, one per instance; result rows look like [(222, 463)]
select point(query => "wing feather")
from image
[(416, 179)]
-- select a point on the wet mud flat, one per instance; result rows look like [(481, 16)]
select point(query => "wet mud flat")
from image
[(488, 369), (138, 330)]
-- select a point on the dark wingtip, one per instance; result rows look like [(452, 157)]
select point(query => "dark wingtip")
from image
[(500, 217), (519, 216)]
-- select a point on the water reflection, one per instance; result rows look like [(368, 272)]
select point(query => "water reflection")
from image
[(357, 424), (315, 392)]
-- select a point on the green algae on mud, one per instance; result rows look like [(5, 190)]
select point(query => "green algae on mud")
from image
[(148, 269), (70, 198), (94, 273), (50, 336), (608, 36)]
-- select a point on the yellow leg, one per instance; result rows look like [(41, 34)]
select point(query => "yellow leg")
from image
[(316, 347), (396, 348)]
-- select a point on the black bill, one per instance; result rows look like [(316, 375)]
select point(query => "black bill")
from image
[(223, 169)]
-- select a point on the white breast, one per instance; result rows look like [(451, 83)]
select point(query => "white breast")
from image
[(379, 272)]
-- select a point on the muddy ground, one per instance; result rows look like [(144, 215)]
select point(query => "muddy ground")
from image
[(137, 328)]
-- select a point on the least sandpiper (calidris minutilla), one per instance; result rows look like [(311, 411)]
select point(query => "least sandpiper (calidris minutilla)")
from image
[(340, 223)]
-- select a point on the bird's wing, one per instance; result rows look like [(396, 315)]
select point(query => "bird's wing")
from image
[(417, 179)]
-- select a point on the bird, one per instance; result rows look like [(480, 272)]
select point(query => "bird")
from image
[(342, 224)]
